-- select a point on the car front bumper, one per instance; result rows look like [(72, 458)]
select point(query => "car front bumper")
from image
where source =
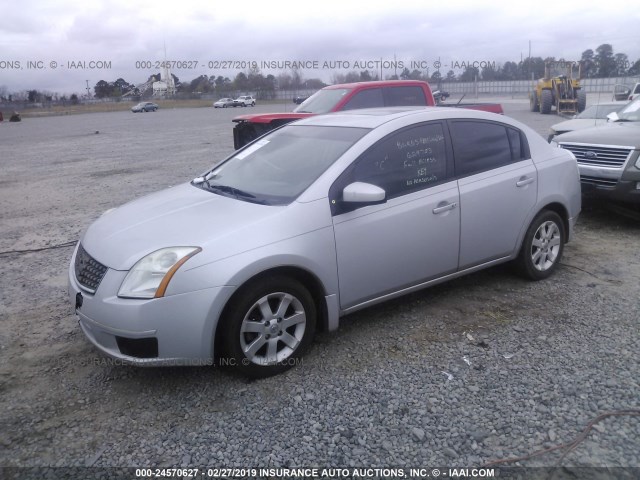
[(621, 184), (173, 330), (625, 188)]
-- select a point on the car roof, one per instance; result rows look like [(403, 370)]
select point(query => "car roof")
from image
[(374, 117), (377, 83)]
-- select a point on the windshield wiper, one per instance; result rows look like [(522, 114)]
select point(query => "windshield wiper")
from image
[(236, 193), (232, 190)]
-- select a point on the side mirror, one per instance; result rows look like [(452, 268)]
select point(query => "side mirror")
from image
[(612, 117), (359, 192)]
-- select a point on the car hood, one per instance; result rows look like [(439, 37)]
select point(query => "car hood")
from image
[(270, 117), (612, 133), (186, 216), (577, 124)]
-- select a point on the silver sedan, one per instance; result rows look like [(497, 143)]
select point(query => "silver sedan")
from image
[(313, 221), (224, 103)]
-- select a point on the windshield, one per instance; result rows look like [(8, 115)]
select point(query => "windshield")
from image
[(631, 112), (322, 101), (276, 169), (598, 111)]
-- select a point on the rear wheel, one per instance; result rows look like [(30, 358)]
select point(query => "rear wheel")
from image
[(534, 106), (268, 326), (546, 101), (542, 246)]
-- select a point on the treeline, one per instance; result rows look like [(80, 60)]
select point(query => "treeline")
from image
[(601, 63)]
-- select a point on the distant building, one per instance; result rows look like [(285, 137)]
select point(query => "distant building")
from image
[(166, 85)]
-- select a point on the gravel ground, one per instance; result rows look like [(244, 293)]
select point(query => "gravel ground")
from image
[(479, 369)]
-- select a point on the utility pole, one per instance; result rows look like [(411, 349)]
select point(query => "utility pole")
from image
[(529, 62), (88, 94)]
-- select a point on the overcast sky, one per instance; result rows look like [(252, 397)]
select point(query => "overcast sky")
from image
[(119, 33)]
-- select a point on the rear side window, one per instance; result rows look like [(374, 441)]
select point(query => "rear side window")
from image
[(405, 96), (517, 144), (369, 98), (480, 146)]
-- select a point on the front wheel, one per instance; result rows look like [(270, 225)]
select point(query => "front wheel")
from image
[(542, 247), (268, 326), (582, 100), (546, 102)]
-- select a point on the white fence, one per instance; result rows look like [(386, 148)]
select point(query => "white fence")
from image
[(518, 88)]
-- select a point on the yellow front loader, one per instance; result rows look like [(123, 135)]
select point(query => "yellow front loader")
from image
[(559, 89)]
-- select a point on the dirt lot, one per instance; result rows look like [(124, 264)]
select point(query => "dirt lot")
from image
[(62, 405)]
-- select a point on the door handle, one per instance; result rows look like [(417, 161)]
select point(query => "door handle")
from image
[(445, 208), (524, 181)]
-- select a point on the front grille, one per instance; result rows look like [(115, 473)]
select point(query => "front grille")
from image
[(598, 155), (89, 272), (598, 181)]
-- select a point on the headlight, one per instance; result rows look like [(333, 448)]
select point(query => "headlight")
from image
[(150, 276)]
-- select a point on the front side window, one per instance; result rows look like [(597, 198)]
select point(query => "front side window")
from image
[(369, 98), (406, 161), (479, 146), (276, 169)]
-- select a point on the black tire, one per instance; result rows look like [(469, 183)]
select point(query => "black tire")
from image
[(546, 101), (582, 100), (224, 106), (278, 342), (542, 247), (534, 106)]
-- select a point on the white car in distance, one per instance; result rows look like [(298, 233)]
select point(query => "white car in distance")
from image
[(244, 101)]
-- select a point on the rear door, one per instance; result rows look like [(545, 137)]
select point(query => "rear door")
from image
[(407, 95), (498, 188), (414, 235)]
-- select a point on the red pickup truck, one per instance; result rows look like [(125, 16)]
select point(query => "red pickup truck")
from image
[(347, 96)]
